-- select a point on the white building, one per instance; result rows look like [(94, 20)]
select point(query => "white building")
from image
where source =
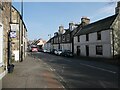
[(99, 39)]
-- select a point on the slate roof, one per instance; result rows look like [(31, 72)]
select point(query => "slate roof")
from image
[(100, 25)]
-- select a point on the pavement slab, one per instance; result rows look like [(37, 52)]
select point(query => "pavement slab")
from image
[(31, 73)]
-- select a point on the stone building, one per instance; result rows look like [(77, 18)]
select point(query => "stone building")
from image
[(13, 36), (63, 39), (5, 8), (100, 38), (19, 41)]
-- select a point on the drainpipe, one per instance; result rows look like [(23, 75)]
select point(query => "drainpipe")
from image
[(10, 66)]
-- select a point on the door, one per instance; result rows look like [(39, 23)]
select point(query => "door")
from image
[(78, 50), (87, 50)]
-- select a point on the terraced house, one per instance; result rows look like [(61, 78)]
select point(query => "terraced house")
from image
[(100, 38), (4, 35), (62, 39), (13, 36), (19, 39)]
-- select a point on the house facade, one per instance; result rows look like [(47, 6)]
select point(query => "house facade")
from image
[(99, 39), (11, 36), (19, 40), (62, 39), (4, 34)]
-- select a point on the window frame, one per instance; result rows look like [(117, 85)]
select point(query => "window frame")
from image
[(87, 37), (99, 52), (99, 35), (78, 38)]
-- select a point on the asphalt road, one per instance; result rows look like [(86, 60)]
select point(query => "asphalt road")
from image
[(80, 73)]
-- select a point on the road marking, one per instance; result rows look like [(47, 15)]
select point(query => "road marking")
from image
[(98, 68)]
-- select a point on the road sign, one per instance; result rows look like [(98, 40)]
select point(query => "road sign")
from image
[(13, 34)]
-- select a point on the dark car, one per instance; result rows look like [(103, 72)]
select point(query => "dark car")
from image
[(53, 51), (67, 53)]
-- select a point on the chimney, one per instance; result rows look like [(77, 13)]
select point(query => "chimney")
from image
[(71, 26), (117, 9), (56, 33), (61, 30), (85, 21)]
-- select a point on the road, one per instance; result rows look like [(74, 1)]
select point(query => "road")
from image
[(78, 73)]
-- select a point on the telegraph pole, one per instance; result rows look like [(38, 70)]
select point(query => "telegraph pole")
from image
[(21, 31)]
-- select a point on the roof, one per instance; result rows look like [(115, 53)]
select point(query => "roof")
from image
[(100, 25)]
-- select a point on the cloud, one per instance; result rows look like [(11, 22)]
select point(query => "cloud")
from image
[(108, 9)]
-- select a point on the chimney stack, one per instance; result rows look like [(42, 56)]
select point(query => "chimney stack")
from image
[(85, 21), (117, 9), (61, 30), (71, 26)]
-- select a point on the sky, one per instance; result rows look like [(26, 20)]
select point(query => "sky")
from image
[(43, 18)]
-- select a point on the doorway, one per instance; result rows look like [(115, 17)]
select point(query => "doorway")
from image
[(78, 50), (87, 50)]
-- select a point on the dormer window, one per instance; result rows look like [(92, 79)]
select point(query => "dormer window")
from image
[(63, 38)]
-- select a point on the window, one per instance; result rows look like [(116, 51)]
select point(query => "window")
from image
[(87, 37), (59, 39), (99, 50), (98, 35), (68, 37), (78, 38), (63, 38)]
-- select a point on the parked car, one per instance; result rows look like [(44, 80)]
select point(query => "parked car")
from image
[(44, 50), (34, 49), (59, 52), (67, 53), (53, 51)]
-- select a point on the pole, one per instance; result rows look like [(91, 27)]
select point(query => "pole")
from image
[(22, 31)]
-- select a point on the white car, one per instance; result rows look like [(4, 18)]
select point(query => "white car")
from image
[(59, 52), (44, 50), (55, 52)]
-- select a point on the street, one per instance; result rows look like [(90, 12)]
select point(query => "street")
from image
[(78, 73)]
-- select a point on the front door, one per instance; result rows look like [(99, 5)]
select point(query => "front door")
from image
[(87, 50), (78, 50)]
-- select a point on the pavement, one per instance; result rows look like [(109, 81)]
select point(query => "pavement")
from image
[(31, 73)]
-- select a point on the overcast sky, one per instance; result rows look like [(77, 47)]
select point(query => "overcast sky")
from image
[(43, 18)]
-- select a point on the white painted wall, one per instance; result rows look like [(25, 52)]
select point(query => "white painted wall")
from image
[(66, 46), (105, 42), (55, 46), (47, 46)]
